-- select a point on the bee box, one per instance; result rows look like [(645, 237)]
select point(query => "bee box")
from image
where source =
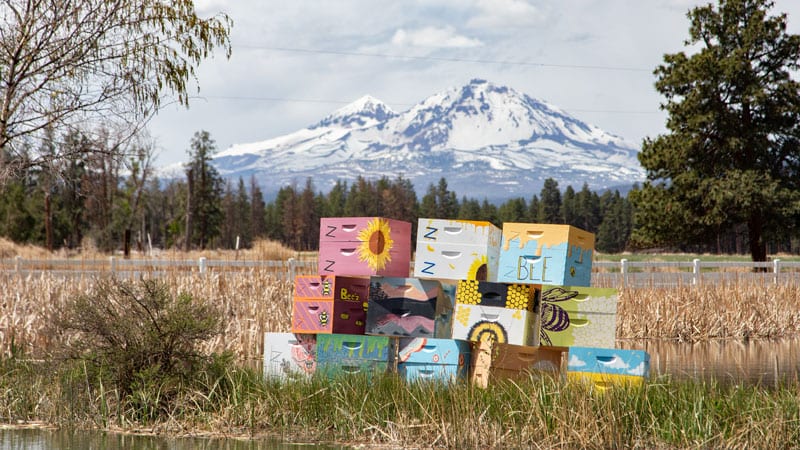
[(289, 355), (579, 316), (364, 246), (493, 361), (423, 359), (456, 249), (349, 354), (408, 307), (606, 367), (496, 324), (485, 293), (535, 253), (329, 304)]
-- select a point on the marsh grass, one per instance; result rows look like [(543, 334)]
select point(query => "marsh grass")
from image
[(256, 301), (534, 412)]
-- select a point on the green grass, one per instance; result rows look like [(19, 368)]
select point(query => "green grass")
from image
[(532, 412)]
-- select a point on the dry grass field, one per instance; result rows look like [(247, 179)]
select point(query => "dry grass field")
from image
[(256, 301)]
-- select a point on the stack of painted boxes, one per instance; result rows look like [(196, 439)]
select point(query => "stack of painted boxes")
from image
[(575, 317), (363, 313), (522, 298)]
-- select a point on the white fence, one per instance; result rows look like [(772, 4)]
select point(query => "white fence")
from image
[(625, 273)]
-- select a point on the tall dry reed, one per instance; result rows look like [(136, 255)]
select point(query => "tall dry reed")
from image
[(257, 301)]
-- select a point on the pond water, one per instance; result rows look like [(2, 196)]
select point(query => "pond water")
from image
[(764, 362), (44, 439)]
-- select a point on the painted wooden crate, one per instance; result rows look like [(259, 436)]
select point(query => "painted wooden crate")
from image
[(351, 354), (364, 246), (456, 249), (427, 359), (408, 307), (496, 324), (503, 295), (329, 304), (579, 316), (495, 361), (607, 367), (545, 254), (289, 355)]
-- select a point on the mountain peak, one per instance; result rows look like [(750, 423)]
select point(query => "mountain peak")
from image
[(488, 140), (365, 111)]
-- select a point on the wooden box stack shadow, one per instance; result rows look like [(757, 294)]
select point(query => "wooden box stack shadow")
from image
[(483, 304)]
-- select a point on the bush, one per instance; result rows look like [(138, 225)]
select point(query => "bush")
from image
[(138, 335)]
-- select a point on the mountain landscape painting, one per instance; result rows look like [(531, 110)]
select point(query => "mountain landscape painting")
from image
[(488, 141)]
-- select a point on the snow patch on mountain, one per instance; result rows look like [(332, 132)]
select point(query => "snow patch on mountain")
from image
[(488, 141)]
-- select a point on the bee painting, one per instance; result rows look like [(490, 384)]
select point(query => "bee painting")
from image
[(323, 318), (554, 317)]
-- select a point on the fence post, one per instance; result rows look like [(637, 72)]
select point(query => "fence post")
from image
[(201, 265), (776, 269), (112, 263), (695, 271), (290, 265), (623, 269)]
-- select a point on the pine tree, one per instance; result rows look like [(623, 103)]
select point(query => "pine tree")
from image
[(731, 157)]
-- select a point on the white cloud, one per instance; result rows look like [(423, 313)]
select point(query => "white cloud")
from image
[(574, 361), (638, 370), (441, 37), (505, 13), (616, 362)]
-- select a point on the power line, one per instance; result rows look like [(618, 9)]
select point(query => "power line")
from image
[(446, 59), (347, 102)]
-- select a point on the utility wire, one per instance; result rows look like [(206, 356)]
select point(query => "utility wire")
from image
[(346, 102), (442, 58)]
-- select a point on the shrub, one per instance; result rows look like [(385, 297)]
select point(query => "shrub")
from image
[(138, 335)]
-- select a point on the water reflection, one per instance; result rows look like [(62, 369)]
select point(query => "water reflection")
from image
[(42, 439), (754, 362)]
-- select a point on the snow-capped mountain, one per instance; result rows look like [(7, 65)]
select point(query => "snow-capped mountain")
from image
[(488, 141)]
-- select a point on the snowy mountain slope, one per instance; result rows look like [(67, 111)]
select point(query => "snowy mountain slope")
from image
[(488, 141)]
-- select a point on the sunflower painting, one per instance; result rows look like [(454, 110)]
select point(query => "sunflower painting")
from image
[(376, 243)]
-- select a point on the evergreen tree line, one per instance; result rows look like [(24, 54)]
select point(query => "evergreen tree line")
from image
[(112, 203)]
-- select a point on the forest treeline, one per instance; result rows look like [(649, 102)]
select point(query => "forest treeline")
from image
[(114, 204)]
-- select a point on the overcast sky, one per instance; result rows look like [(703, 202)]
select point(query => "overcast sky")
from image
[(296, 61)]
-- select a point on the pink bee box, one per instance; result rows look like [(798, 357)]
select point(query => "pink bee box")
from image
[(331, 287), (312, 316), (364, 246), (329, 304)]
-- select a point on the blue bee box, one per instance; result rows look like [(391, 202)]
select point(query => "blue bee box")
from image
[(346, 354), (605, 367), (534, 253), (423, 359)]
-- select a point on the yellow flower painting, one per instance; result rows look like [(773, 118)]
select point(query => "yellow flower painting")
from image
[(376, 242)]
